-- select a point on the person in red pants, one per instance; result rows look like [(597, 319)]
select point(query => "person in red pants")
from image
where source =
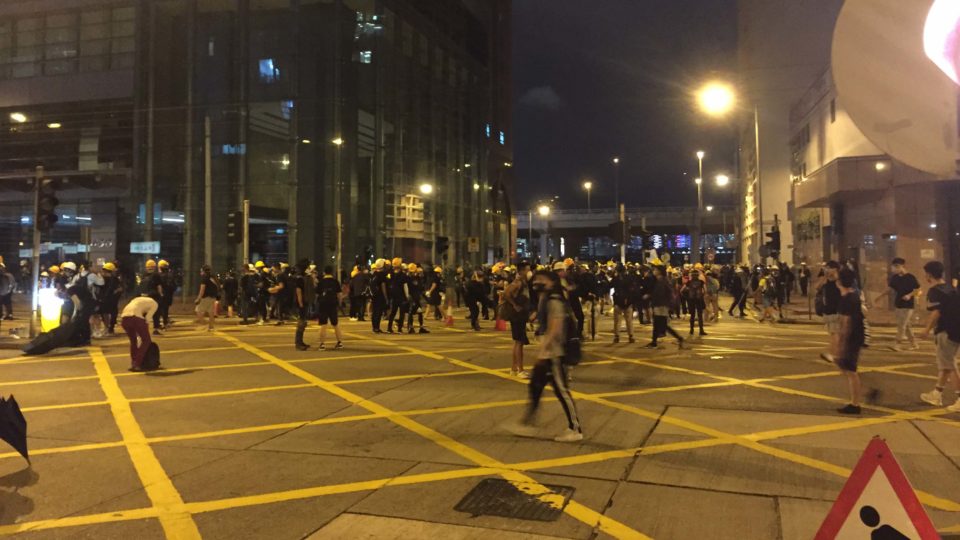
[(134, 322)]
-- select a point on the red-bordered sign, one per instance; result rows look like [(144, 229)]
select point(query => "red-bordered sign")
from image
[(877, 502)]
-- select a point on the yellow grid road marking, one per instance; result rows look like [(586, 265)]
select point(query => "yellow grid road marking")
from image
[(531, 486), (174, 518)]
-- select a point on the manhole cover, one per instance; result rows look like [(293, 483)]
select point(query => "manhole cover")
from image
[(519, 500)]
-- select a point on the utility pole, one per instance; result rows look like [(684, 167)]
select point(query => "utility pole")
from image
[(207, 196), (246, 231), (623, 235), (35, 270)]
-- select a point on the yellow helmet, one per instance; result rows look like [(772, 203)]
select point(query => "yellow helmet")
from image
[(378, 264), (110, 267), (568, 262), (438, 270), (412, 267), (354, 272), (163, 263), (258, 264), (54, 269), (698, 266), (151, 263), (397, 261)]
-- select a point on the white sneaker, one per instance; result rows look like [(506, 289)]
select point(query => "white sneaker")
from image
[(955, 407), (569, 435), (523, 374), (915, 347), (933, 397)]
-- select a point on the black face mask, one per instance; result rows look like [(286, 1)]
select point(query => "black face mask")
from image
[(539, 287)]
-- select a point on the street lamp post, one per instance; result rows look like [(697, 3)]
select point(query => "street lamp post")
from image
[(695, 251), (338, 142), (544, 212), (426, 189), (616, 183), (588, 186)]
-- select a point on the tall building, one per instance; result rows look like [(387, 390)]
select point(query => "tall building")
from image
[(158, 118), (783, 45)]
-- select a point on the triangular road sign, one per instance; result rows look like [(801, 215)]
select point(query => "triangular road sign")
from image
[(877, 502)]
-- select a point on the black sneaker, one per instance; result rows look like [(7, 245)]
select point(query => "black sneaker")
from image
[(303, 347), (828, 358), (650, 345), (616, 339), (424, 331), (849, 409), (135, 369), (322, 347), (410, 330), (631, 340), (703, 334), (338, 345), (377, 331)]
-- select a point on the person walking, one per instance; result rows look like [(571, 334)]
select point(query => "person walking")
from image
[(943, 303), (359, 285), (850, 337), (109, 297), (133, 320), (739, 284), (803, 278), (905, 288), (397, 280), (168, 288), (380, 300), (662, 298), (207, 297), (550, 367), (434, 296), (695, 293), (230, 288), (828, 301), (624, 290), (8, 284), (328, 301), (414, 292), (474, 297), (300, 302), (517, 304)]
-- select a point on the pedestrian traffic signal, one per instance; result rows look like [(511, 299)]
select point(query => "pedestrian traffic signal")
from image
[(234, 226), (443, 244), (46, 205), (773, 245)]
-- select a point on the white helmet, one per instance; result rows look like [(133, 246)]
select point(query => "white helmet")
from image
[(69, 265)]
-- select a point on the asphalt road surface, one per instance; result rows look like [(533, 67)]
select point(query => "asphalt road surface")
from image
[(242, 436)]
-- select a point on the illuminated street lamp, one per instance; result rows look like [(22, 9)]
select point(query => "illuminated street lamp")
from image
[(588, 186), (543, 210), (18, 117), (716, 98), (426, 188), (723, 180)]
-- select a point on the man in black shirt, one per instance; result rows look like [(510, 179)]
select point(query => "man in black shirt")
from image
[(398, 297), (328, 302), (904, 287), (829, 296), (379, 301), (804, 278), (850, 338), (300, 302), (943, 303)]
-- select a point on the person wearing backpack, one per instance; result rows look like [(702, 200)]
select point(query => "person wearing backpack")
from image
[(555, 354), (850, 337), (695, 293), (943, 303), (328, 302), (662, 299)]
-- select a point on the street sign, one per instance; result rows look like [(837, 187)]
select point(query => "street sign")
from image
[(145, 248), (877, 502), (473, 244)]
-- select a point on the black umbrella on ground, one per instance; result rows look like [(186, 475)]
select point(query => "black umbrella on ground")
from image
[(13, 426)]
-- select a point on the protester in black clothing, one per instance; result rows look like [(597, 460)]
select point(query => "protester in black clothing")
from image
[(904, 288), (850, 337), (398, 296), (328, 303), (264, 283), (622, 303), (230, 288), (248, 292), (695, 293), (168, 284), (109, 297), (434, 288), (828, 304), (379, 301), (359, 291), (474, 296), (738, 290), (207, 297), (414, 294), (300, 302), (804, 278), (662, 298)]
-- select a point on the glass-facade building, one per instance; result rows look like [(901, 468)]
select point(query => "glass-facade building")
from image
[(375, 125)]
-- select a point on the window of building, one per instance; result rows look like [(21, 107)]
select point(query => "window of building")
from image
[(269, 73), (503, 138), (365, 57), (487, 130), (833, 110)]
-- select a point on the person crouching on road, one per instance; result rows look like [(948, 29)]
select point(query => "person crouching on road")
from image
[(556, 311), (207, 297), (133, 320), (328, 301)]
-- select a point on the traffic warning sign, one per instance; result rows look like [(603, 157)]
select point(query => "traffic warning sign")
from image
[(877, 502)]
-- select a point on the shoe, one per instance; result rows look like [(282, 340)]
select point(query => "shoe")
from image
[(915, 347), (353, 319), (826, 357), (569, 435), (650, 345), (260, 323), (955, 407), (616, 339), (680, 344), (702, 334), (410, 331), (389, 330), (322, 347), (424, 331), (279, 323), (135, 369), (521, 374), (157, 333), (849, 409), (303, 347), (377, 331), (631, 340), (476, 328), (933, 397), (338, 345)]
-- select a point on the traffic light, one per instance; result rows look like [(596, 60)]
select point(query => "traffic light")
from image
[(47, 204), (443, 244), (773, 245), (234, 226)]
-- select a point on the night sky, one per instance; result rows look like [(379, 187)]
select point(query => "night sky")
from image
[(594, 79)]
